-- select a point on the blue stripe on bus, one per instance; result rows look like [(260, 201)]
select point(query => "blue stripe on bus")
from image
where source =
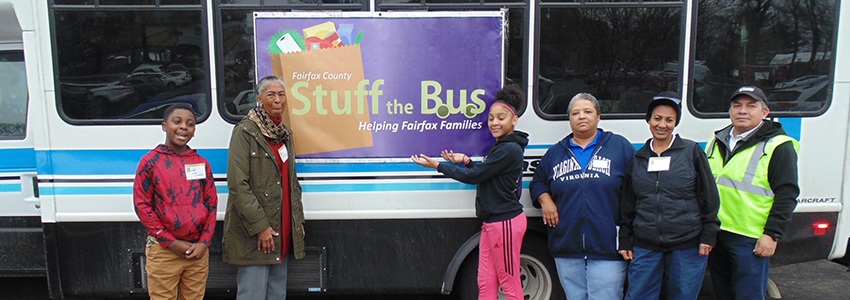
[(89, 162), (99, 190), (18, 170), (86, 190), (109, 162), (125, 162), (8, 188), (374, 187), (17, 160), (792, 126), (386, 187)]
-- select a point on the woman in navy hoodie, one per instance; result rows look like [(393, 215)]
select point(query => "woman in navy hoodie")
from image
[(499, 179), (578, 184)]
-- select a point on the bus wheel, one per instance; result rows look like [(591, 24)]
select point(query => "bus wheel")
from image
[(537, 282), (537, 273)]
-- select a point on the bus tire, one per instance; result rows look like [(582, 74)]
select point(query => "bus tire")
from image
[(537, 272)]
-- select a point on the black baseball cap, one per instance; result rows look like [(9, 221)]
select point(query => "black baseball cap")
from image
[(668, 98), (752, 91)]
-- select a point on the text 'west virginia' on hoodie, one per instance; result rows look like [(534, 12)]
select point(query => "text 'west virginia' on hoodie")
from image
[(498, 178), (587, 198)]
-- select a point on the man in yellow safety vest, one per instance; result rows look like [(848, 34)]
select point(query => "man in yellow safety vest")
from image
[(755, 166)]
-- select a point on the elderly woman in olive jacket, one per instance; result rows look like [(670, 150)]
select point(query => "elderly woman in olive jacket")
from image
[(256, 198)]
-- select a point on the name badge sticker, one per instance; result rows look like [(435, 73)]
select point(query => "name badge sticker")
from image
[(658, 164), (195, 171), (600, 164), (283, 154)]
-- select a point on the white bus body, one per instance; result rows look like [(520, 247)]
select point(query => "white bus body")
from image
[(376, 225)]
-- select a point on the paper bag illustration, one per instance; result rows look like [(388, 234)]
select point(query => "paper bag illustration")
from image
[(333, 124)]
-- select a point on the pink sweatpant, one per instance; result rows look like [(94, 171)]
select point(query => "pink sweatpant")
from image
[(498, 258)]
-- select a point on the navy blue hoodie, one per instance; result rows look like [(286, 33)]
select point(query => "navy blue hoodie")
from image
[(498, 176), (587, 199)]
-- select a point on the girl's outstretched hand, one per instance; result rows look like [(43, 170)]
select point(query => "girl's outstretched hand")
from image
[(425, 161), (452, 157)]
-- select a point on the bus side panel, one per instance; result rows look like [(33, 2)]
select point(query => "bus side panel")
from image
[(22, 247), (801, 241), (91, 259), (356, 257), (389, 256)]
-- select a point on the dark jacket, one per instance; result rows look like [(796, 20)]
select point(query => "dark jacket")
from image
[(669, 210), (781, 172), (256, 197), (588, 199), (498, 178)]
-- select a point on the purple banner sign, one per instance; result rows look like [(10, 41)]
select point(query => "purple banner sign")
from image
[(378, 87)]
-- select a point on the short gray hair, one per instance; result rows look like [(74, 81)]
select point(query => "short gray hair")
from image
[(584, 96), (261, 85)]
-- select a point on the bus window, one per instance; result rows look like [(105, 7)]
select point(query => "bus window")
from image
[(13, 95), (516, 57), (119, 65), (784, 47), (237, 35), (128, 2), (623, 56)]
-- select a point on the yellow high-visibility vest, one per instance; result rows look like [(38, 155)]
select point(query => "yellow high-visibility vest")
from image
[(745, 194)]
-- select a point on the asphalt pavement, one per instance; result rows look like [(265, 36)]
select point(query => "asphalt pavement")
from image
[(814, 280), (817, 280)]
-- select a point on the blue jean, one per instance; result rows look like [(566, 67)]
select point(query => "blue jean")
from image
[(736, 272), (591, 279), (262, 282), (685, 270)]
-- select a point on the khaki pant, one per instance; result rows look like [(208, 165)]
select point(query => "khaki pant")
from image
[(171, 276)]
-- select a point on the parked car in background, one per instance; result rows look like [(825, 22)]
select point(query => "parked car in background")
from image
[(104, 88), (807, 80), (145, 85), (176, 78), (195, 74), (807, 93), (245, 101), (172, 78), (112, 92), (75, 95)]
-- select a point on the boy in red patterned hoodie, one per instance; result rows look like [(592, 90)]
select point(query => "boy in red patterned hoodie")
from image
[(175, 197)]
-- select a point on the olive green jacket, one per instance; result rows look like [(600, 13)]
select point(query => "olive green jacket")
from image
[(255, 196)]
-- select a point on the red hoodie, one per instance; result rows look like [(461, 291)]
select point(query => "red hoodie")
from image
[(171, 206)]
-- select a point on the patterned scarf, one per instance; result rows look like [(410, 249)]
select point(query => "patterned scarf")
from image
[(276, 133)]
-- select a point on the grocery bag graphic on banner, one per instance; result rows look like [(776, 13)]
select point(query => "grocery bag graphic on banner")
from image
[(329, 59)]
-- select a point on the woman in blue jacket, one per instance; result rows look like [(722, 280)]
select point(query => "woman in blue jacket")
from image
[(668, 209), (578, 183), (497, 200)]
